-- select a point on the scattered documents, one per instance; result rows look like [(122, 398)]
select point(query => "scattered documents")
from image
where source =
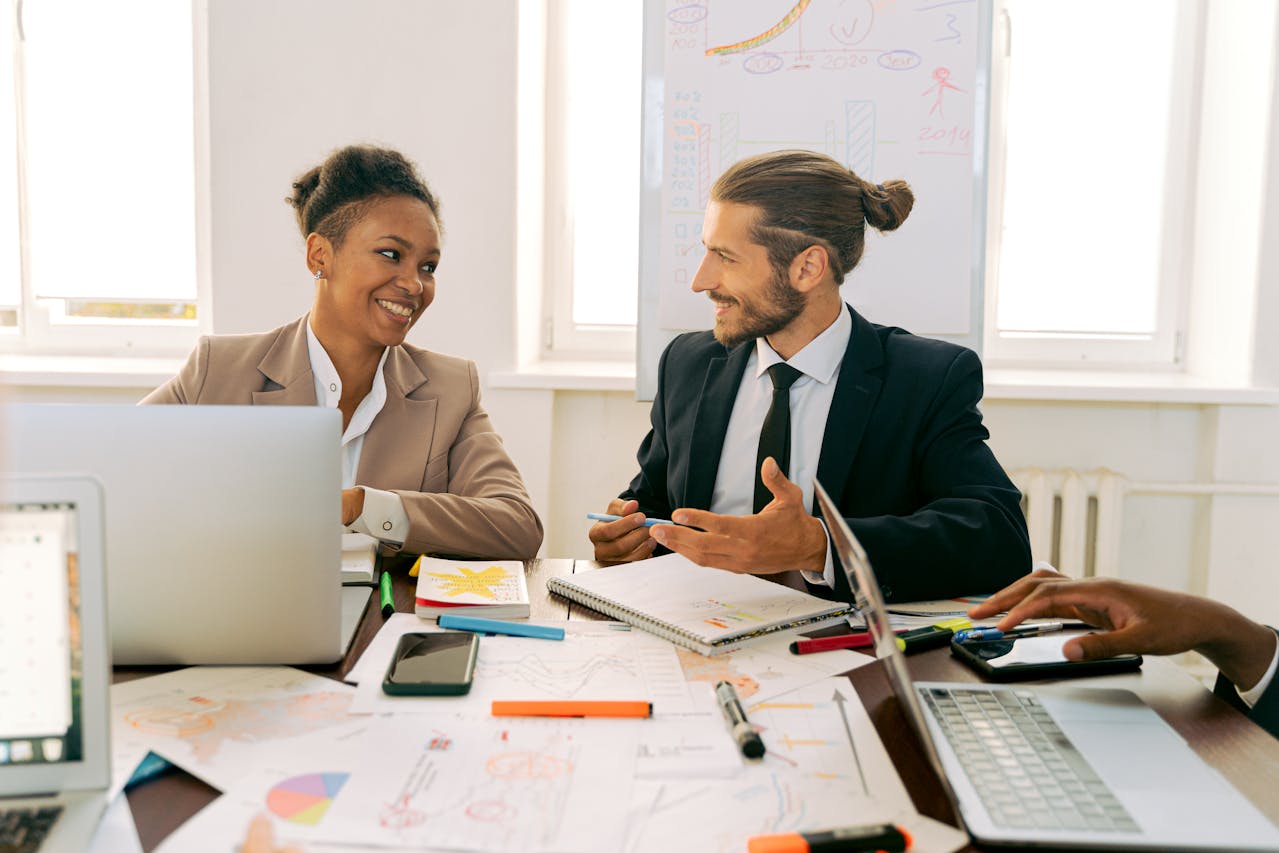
[(594, 661), (766, 668), (213, 721), (455, 782)]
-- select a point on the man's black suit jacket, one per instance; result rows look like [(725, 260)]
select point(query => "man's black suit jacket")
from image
[(904, 455), (1265, 713)]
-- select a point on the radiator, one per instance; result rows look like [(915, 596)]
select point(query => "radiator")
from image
[(1075, 518)]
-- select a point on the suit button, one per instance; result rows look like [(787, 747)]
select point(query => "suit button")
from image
[(886, 591)]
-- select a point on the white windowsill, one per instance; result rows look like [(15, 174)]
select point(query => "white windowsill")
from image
[(81, 371), (1122, 387), (65, 371), (1001, 384), (567, 376)]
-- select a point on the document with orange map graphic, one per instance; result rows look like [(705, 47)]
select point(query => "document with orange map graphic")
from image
[(213, 721), (494, 589)]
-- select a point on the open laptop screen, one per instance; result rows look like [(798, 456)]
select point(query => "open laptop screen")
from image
[(41, 651)]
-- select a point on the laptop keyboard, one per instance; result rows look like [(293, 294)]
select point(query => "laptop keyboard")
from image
[(1026, 771), (23, 830)]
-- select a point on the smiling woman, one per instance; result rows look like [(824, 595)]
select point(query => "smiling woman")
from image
[(422, 468)]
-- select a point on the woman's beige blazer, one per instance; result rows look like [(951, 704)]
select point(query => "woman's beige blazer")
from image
[(432, 444)]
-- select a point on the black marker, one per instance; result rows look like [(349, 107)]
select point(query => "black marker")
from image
[(743, 732)]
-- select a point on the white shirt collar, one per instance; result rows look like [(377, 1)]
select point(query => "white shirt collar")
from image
[(820, 358), (328, 386)]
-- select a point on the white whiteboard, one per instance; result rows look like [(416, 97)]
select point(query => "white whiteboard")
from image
[(890, 88)]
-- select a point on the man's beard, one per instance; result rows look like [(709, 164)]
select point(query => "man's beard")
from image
[(775, 310)]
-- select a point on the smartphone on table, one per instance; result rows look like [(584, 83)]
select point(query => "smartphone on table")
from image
[(432, 664), (1034, 656)]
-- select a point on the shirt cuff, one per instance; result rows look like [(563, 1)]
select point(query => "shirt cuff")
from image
[(383, 517), (827, 577), (1251, 696)]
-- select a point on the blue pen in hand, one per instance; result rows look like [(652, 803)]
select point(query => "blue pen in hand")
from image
[(648, 522)]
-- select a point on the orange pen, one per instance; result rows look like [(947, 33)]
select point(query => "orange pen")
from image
[(883, 838), (573, 709)]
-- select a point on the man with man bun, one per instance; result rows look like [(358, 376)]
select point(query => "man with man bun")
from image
[(791, 385)]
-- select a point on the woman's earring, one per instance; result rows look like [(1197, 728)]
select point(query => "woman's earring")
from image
[(319, 274)]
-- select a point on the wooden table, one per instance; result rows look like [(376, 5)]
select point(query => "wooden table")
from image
[(1245, 754)]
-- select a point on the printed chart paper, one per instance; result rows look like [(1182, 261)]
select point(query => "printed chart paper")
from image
[(767, 668), (821, 770), (213, 721), (595, 660), (457, 782)]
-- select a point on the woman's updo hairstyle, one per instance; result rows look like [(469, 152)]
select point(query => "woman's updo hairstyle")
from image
[(807, 198), (334, 195)]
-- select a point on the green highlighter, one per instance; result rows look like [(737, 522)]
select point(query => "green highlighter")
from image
[(388, 601)]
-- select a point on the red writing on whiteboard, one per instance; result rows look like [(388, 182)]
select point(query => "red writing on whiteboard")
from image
[(954, 136)]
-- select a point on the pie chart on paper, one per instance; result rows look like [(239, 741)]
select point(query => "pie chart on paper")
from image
[(305, 799)]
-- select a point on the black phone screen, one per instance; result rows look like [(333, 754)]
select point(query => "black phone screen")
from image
[(428, 660), (1036, 656)]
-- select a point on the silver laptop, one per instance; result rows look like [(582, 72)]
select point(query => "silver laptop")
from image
[(223, 525), (55, 746), (1061, 766)]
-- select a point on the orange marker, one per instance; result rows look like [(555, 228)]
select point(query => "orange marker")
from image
[(573, 709), (884, 838)]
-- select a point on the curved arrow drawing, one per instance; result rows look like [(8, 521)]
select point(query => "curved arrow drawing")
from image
[(763, 38)]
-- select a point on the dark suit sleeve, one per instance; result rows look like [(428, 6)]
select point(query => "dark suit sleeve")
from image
[(968, 534), (1265, 713), (649, 485)]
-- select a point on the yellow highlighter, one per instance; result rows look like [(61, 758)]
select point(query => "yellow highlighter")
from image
[(933, 637), (417, 564)]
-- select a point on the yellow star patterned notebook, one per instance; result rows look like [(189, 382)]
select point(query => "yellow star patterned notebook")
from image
[(491, 588)]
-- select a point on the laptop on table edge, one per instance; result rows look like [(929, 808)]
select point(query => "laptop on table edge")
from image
[(55, 745), (1175, 800), (224, 523)]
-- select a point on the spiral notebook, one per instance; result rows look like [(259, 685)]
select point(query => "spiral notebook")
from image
[(710, 611)]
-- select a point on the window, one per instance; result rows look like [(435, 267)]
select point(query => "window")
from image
[(99, 252), (593, 166), (1091, 181)]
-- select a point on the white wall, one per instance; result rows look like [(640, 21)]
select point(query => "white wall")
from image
[(290, 80)]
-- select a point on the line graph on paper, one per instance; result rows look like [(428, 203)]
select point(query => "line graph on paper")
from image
[(563, 679), (595, 663)]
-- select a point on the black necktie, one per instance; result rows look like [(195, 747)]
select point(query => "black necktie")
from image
[(774, 438)]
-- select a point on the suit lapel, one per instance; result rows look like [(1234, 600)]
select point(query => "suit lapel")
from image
[(286, 367), (856, 391), (714, 407), (398, 443)]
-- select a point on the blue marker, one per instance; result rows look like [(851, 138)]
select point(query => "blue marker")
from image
[(996, 634), (648, 522), (499, 626)]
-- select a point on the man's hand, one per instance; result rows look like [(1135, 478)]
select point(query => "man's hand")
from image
[(1138, 619), (625, 539), (780, 537)]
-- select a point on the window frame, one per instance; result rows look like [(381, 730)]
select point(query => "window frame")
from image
[(560, 336), (44, 328), (1164, 349)]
